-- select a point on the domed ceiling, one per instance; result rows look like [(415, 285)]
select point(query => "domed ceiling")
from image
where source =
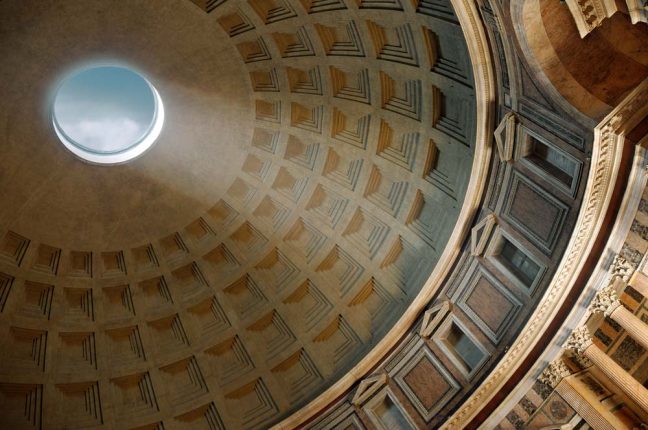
[(311, 168)]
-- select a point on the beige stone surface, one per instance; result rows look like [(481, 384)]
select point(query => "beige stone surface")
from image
[(50, 196)]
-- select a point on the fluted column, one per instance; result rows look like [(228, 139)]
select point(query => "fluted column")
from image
[(607, 302), (581, 342), (639, 282)]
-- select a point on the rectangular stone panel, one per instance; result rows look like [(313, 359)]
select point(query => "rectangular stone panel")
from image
[(425, 382), (487, 302), (536, 213)]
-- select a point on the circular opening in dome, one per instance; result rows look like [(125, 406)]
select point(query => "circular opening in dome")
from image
[(107, 114)]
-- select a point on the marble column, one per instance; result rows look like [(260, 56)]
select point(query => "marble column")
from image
[(607, 302), (581, 342)]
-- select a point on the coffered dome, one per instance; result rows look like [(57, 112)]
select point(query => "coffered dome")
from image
[(346, 214), (311, 168)]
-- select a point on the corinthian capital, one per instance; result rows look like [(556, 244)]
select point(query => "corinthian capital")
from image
[(621, 268), (554, 372), (605, 301), (579, 340)]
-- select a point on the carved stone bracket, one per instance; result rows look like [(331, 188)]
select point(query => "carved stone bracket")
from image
[(605, 301), (554, 373)]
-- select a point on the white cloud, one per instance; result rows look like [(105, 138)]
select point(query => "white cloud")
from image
[(106, 135)]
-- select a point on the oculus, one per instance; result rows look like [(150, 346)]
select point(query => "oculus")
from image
[(107, 114)]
